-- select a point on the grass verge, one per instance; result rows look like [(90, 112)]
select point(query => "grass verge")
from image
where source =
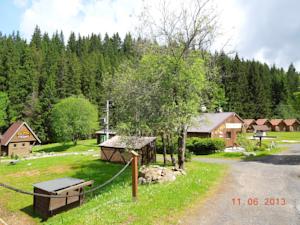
[(82, 145), (157, 204)]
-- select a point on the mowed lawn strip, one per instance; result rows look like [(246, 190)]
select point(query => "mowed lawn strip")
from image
[(157, 204), (82, 145)]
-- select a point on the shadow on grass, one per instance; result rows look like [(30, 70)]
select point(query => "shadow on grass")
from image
[(59, 148), (99, 171), (64, 147)]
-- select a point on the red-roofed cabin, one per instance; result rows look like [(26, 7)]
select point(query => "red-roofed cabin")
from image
[(277, 125), (18, 140), (266, 122), (292, 125), (249, 123)]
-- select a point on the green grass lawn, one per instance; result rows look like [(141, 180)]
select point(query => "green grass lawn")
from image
[(280, 136), (82, 145), (157, 204)]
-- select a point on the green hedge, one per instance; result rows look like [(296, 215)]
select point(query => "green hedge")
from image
[(159, 146), (204, 146)]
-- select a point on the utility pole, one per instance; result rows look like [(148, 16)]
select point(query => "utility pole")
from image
[(107, 119)]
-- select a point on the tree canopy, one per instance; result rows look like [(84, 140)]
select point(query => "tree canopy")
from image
[(73, 118)]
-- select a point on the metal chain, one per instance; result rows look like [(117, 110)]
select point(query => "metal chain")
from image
[(66, 196)]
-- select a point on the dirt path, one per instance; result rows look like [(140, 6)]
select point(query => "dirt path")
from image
[(265, 192)]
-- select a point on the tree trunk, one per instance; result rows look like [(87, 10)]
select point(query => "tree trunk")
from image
[(164, 148), (181, 146), (171, 149), (75, 139)]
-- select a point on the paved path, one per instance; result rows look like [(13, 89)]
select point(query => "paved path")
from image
[(274, 181)]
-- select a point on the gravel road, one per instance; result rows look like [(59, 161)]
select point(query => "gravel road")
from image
[(265, 192)]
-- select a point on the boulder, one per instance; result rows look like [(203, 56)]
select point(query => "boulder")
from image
[(158, 174)]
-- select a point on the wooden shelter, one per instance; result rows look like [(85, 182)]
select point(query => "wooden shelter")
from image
[(277, 125), (116, 149), (260, 130), (224, 125), (18, 140), (266, 122), (249, 124), (292, 124), (101, 135), (47, 207)]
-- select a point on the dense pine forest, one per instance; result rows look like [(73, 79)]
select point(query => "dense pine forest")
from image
[(36, 74)]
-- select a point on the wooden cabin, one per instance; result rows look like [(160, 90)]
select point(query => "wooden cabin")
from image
[(277, 125), (224, 125), (249, 123), (117, 149), (266, 122), (101, 135), (260, 130), (292, 124), (18, 140)]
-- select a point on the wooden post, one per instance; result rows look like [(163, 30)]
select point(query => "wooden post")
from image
[(134, 165)]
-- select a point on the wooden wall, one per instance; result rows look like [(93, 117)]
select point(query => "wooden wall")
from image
[(146, 155)]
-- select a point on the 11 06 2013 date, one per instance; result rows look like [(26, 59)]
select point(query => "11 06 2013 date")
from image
[(252, 201)]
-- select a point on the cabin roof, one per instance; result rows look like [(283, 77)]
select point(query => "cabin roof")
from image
[(261, 128), (12, 130), (290, 122), (207, 122), (249, 121), (275, 122), (261, 121), (131, 142)]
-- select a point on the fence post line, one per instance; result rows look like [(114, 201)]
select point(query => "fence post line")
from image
[(134, 165)]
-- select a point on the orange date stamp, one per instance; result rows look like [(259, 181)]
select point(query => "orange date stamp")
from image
[(253, 201)]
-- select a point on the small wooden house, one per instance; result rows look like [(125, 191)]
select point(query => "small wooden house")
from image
[(101, 135), (18, 140), (260, 130), (116, 149), (224, 125), (292, 124), (277, 125), (249, 124), (266, 122)]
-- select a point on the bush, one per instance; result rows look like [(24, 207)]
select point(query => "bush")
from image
[(204, 146), (246, 143), (188, 155), (159, 146)]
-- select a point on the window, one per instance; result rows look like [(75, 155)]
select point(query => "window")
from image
[(23, 144), (228, 134), (15, 145)]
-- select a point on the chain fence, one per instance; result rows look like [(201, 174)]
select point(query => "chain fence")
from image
[(12, 188)]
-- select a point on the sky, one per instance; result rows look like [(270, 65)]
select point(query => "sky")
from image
[(266, 30)]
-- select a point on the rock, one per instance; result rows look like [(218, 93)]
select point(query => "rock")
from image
[(249, 153), (13, 162), (158, 174), (168, 177)]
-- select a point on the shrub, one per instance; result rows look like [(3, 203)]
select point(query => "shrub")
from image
[(188, 156), (246, 143), (159, 146), (204, 146)]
